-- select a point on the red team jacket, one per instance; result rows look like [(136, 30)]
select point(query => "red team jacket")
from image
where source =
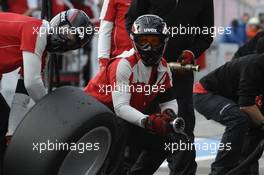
[(18, 33), (114, 11), (141, 79)]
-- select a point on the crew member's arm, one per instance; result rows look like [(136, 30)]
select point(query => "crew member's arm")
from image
[(33, 45), (107, 18), (157, 123), (249, 88), (32, 76), (121, 96), (254, 113)]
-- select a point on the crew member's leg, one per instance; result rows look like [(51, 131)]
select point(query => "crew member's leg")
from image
[(152, 148), (136, 159), (183, 162), (19, 107), (153, 151), (252, 139), (4, 114), (226, 112)]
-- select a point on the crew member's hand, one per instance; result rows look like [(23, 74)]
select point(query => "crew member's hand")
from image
[(103, 62), (259, 101), (179, 125), (169, 113), (186, 57), (158, 123), (8, 139)]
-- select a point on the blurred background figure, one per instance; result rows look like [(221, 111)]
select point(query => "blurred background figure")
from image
[(245, 18), (242, 23), (253, 27), (235, 34)]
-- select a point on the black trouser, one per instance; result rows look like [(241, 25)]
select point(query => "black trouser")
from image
[(183, 162), (151, 146), (226, 112), (253, 137), (4, 118), (4, 115)]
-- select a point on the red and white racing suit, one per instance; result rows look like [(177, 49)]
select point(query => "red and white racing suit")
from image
[(22, 44), (127, 86), (113, 37)]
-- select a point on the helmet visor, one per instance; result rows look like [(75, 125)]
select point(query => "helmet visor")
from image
[(152, 40)]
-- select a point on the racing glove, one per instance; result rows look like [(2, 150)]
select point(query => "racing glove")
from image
[(259, 101), (159, 124), (186, 57), (169, 113), (178, 124), (8, 139), (103, 62)]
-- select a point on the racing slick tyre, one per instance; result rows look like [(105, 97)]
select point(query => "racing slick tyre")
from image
[(66, 133)]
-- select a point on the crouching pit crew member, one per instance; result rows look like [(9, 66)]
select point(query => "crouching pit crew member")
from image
[(228, 96), (129, 83), (24, 42)]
